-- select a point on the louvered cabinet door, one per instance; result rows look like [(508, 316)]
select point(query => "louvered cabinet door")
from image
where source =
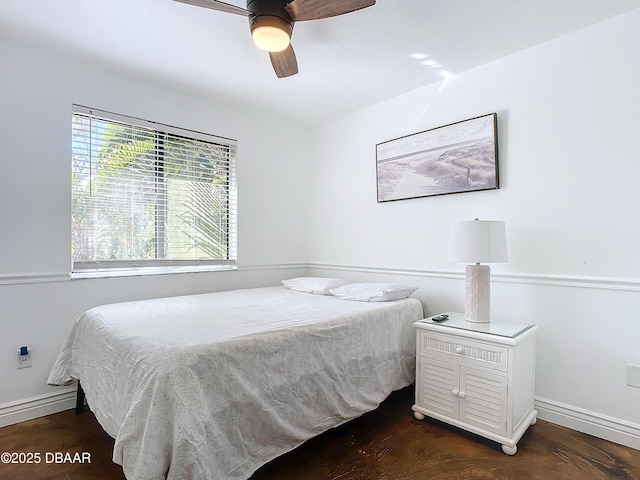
[(483, 400), (438, 386)]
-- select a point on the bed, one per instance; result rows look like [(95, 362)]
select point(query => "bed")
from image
[(213, 386)]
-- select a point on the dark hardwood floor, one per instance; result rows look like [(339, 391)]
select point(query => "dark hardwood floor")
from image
[(387, 444)]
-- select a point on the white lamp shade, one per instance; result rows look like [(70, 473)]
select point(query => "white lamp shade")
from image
[(477, 241)]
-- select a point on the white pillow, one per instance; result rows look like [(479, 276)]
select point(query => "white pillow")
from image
[(373, 292), (317, 285)]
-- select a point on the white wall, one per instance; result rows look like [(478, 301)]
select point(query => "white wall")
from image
[(38, 303), (569, 168)]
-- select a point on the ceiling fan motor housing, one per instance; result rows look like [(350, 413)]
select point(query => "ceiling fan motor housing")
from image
[(269, 12)]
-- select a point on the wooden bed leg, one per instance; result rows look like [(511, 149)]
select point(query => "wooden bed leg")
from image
[(79, 399)]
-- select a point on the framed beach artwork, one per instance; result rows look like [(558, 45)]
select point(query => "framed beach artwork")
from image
[(455, 158)]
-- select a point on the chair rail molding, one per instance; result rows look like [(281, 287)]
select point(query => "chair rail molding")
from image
[(51, 277), (578, 281)]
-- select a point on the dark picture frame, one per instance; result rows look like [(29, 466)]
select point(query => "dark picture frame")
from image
[(455, 158)]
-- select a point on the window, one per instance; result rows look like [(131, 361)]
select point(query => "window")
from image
[(148, 197)]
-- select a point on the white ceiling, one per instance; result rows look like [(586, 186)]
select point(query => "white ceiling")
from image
[(345, 62)]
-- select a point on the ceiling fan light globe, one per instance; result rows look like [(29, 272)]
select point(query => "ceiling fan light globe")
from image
[(270, 38)]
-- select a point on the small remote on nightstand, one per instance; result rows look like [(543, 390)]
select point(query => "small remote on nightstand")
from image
[(440, 318)]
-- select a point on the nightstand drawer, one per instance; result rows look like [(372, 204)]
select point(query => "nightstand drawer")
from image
[(468, 352)]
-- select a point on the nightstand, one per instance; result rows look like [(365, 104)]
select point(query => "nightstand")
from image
[(477, 376)]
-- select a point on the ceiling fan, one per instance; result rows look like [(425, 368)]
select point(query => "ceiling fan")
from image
[(271, 23)]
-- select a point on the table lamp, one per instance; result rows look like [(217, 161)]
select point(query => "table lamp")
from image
[(477, 241)]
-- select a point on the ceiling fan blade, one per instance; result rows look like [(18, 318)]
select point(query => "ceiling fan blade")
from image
[(300, 10), (284, 62), (215, 5)]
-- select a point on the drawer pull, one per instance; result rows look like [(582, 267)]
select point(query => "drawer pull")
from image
[(459, 350)]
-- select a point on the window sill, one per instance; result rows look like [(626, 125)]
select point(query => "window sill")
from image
[(136, 272)]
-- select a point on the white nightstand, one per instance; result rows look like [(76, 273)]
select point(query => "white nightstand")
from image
[(477, 376)]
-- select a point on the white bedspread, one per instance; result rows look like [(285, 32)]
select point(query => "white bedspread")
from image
[(213, 386)]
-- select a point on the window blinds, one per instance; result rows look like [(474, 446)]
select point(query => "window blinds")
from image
[(146, 195)]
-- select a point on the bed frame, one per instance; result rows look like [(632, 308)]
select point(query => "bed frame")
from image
[(79, 399)]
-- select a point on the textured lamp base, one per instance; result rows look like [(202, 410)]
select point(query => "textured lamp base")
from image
[(477, 301)]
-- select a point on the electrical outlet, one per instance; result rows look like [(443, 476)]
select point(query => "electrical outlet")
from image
[(24, 357), (633, 375)]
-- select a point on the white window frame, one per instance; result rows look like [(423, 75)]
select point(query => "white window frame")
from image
[(89, 268)]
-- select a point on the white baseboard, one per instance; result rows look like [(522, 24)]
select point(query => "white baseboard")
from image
[(36, 407), (597, 425), (607, 428)]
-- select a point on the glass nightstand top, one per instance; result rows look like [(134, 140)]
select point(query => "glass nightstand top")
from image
[(502, 329)]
